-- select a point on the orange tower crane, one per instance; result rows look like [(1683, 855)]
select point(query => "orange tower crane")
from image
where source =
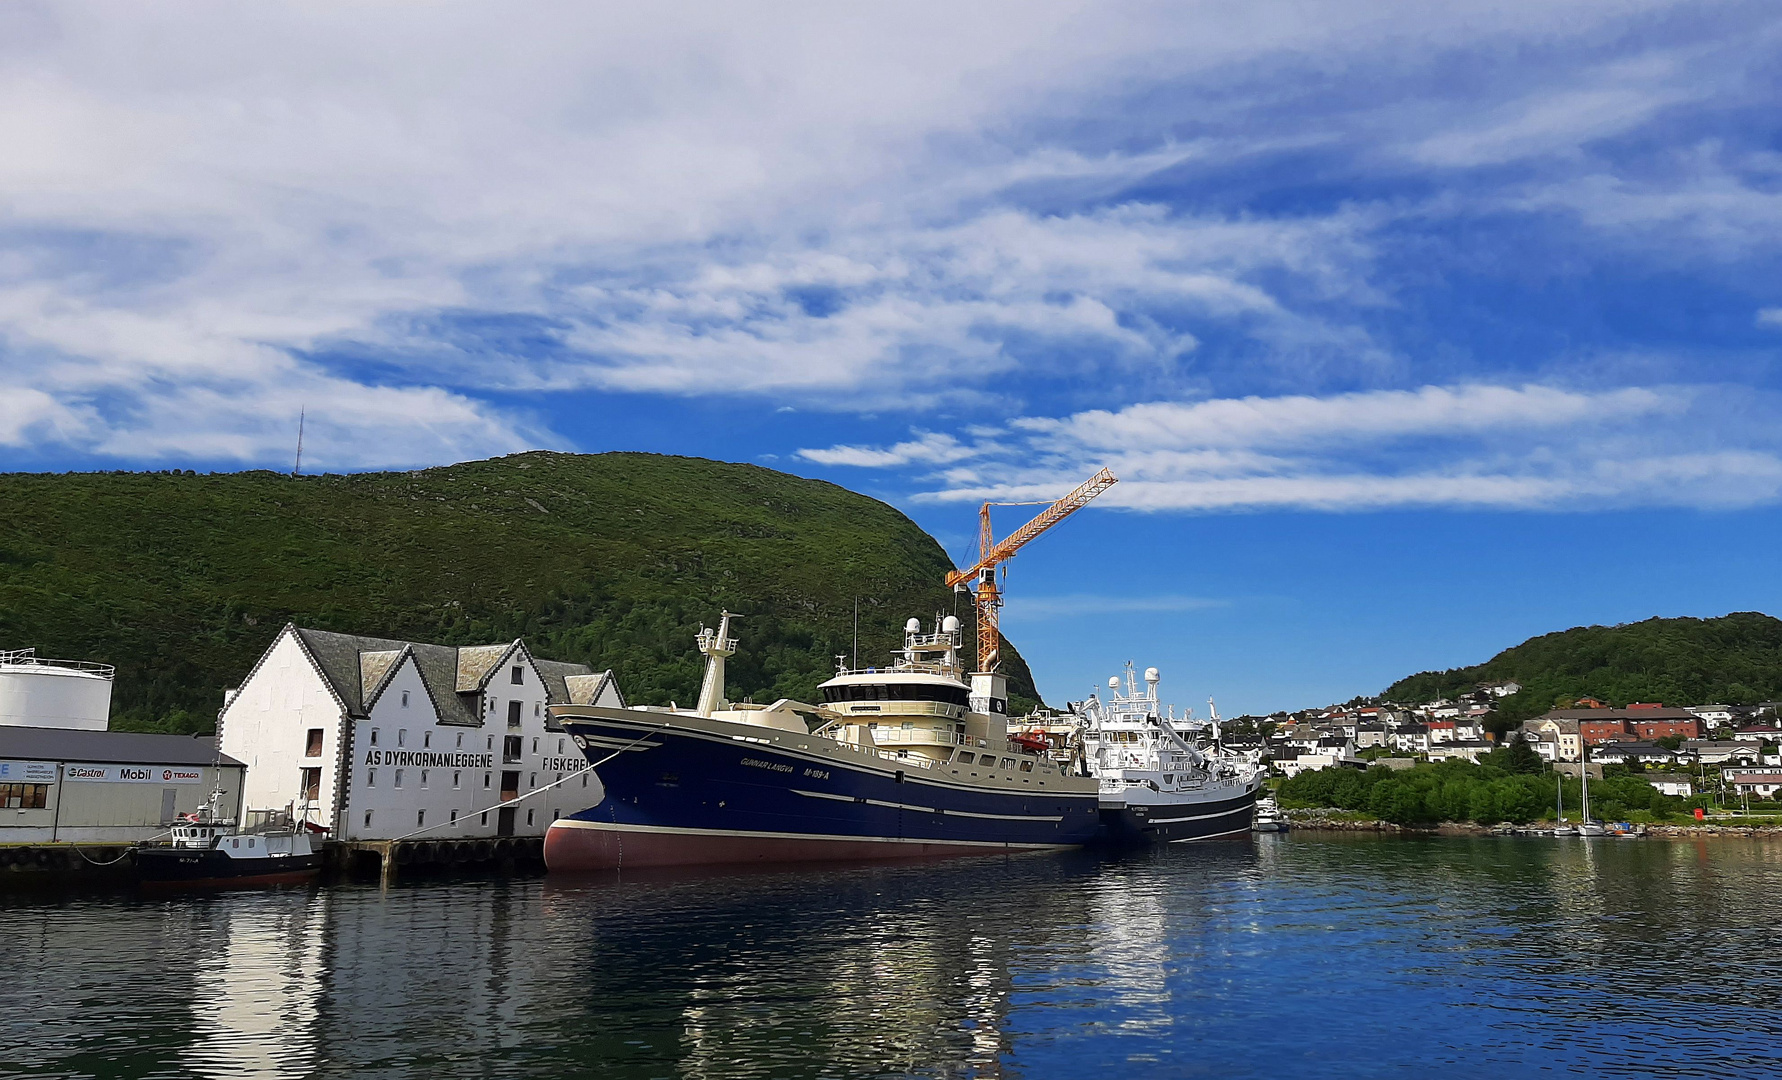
[(988, 598)]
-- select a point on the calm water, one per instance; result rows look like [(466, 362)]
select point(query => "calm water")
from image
[(1299, 956)]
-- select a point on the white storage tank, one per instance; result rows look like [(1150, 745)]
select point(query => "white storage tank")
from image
[(54, 693)]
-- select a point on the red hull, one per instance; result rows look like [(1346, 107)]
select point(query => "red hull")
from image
[(572, 849)]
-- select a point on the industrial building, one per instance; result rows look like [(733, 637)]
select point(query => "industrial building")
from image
[(378, 739), (71, 785)]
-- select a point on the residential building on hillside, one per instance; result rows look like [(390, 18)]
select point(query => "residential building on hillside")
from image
[(1559, 732), (375, 739), (1632, 753), (1763, 785), (1608, 725), (1370, 735), (1411, 739), (1504, 689), (1712, 715), (1469, 750), (1681, 785), (1441, 731), (1721, 752)]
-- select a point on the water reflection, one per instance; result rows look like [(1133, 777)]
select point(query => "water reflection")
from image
[(257, 988), (1306, 956)]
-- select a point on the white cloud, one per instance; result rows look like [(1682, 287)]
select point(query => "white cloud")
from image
[(1770, 317), (1495, 447), (828, 204)]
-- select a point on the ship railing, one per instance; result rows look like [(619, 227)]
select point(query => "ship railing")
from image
[(904, 667)]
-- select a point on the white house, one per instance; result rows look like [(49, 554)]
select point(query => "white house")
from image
[(375, 739), (1469, 750), (1679, 784)]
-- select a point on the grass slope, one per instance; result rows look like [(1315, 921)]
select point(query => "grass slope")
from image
[(613, 560), (1735, 659)]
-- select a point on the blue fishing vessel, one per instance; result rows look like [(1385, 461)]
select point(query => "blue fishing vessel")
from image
[(909, 760)]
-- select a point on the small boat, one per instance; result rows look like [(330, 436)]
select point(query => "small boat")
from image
[(1268, 817), (1565, 830), (207, 849), (1587, 825)]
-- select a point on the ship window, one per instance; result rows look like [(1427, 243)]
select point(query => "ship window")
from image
[(1027, 766), (967, 758), (519, 676), (1007, 763), (235, 843)]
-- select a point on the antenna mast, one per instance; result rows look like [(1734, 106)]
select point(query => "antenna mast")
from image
[(298, 466)]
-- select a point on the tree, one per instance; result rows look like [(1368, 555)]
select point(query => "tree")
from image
[(1521, 758)]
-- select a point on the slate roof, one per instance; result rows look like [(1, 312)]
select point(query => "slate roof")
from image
[(108, 747), (356, 666), (1619, 714)]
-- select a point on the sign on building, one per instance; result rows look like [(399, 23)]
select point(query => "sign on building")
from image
[(27, 772), (135, 774)]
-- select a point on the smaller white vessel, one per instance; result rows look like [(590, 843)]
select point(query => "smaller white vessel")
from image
[(207, 849), (1268, 817), (1587, 825), (1163, 779)]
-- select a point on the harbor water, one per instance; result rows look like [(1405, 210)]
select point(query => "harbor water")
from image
[(1305, 955)]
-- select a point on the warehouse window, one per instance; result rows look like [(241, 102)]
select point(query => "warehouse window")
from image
[(512, 749), (513, 714), (485, 781), (312, 785), (420, 818), (455, 777), (531, 781), (519, 676), (312, 746), (423, 777), (24, 796), (405, 699), (426, 740), (529, 817), (398, 777), (368, 819), (370, 777), (537, 708), (554, 813), (584, 779), (535, 746), (485, 817), (374, 736), (559, 746), (454, 817), (491, 743), (401, 736), (460, 740)]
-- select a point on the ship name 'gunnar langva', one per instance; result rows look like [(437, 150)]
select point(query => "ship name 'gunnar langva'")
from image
[(903, 761)]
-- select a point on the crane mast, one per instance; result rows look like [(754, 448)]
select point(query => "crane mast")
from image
[(988, 598)]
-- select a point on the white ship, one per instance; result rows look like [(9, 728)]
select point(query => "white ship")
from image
[(1162, 779)]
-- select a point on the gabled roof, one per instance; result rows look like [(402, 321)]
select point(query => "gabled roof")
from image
[(356, 668), (110, 747)]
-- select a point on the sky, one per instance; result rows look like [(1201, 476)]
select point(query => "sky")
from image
[(1411, 330)]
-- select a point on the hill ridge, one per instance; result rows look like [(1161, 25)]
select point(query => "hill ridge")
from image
[(614, 560)]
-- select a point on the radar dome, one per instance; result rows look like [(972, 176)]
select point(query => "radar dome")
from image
[(914, 626), (950, 624), (1113, 682), (1152, 675)]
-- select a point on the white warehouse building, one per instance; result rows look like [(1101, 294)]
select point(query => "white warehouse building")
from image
[(377, 739)]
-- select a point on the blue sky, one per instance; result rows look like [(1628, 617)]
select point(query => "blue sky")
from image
[(1410, 329)]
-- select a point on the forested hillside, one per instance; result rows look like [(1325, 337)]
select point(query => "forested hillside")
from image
[(613, 560), (1735, 659)]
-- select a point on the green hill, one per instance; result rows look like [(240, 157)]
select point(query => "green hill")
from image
[(1734, 660), (613, 560)]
